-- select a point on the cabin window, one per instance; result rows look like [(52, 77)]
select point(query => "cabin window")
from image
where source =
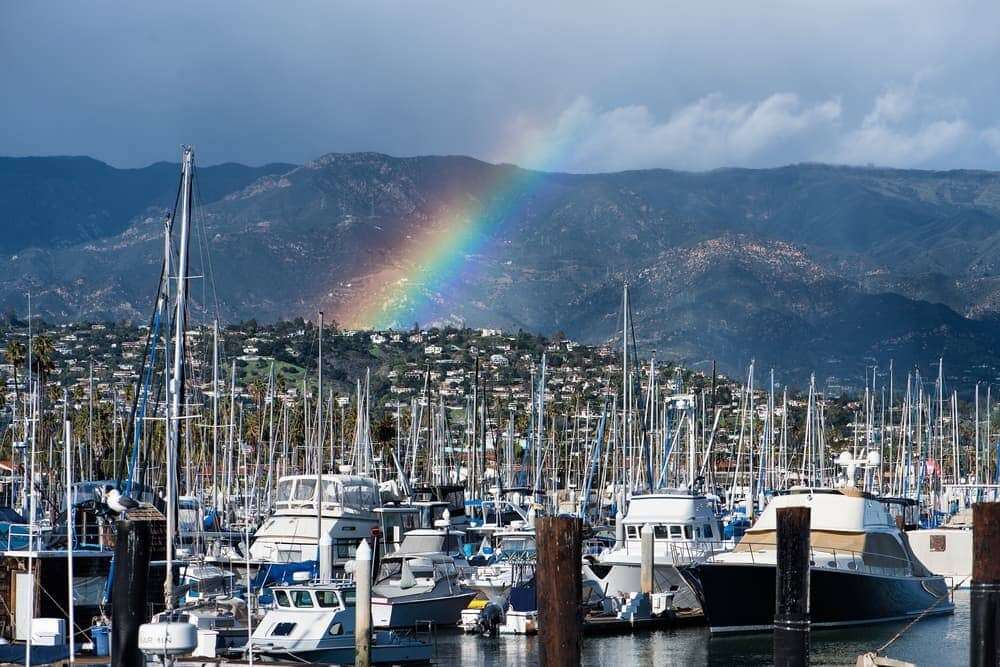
[(348, 596), (284, 490), (302, 599), (451, 544), (331, 492), (687, 532), (707, 531), (633, 532), (697, 533), (305, 489), (346, 549), (282, 598), (327, 599), (336, 629), (660, 533), (282, 629), (675, 532)]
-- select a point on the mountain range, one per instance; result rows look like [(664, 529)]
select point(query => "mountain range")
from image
[(804, 268)]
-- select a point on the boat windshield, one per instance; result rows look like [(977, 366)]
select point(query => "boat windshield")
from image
[(360, 497), (331, 492), (421, 544), (302, 598), (305, 489), (393, 570), (284, 490), (515, 543)]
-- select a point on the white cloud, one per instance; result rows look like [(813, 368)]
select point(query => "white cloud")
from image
[(710, 132), (903, 126)]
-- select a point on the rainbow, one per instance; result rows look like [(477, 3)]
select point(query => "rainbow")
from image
[(444, 255)]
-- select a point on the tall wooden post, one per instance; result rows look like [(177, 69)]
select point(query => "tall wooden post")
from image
[(128, 592), (559, 589), (985, 605), (791, 600)]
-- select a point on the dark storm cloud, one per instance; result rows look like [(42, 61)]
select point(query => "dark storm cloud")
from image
[(579, 86)]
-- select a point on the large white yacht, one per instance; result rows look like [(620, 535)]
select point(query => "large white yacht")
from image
[(685, 527), (291, 534), (862, 568)]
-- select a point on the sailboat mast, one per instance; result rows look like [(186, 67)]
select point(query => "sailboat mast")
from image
[(319, 443), (177, 376)]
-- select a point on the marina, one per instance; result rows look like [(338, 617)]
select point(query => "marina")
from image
[(252, 524), (516, 335)]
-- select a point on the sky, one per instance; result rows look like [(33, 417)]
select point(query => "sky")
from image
[(575, 86)]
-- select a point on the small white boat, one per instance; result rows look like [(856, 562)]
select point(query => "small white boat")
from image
[(418, 589), (314, 623), (514, 552)]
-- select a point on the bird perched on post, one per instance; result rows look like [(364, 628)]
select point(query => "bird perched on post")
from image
[(115, 501)]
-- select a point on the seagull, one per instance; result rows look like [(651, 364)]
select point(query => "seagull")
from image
[(116, 502)]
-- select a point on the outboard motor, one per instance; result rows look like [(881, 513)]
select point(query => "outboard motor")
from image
[(490, 619)]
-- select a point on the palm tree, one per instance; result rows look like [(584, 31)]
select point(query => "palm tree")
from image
[(44, 357), (15, 357)]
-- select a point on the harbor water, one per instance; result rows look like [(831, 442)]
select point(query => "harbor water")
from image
[(939, 641)]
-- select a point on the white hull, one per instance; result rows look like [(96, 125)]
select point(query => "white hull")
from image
[(443, 610)]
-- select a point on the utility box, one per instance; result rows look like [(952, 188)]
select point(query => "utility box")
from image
[(24, 603), (48, 632)]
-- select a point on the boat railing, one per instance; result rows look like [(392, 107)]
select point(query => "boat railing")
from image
[(866, 562)]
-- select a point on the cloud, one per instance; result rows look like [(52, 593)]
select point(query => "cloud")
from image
[(902, 129), (904, 125), (711, 131)]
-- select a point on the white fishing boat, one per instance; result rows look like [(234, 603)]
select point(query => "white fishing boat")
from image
[(418, 588), (314, 623), (685, 528)]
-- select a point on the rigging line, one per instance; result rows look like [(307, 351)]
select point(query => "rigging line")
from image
[(130, 434), (210, 272)]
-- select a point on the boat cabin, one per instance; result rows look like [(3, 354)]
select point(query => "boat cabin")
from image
[(678, 520), (297, 494), (433, 540)]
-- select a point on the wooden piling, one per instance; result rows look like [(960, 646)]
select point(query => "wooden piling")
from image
[(985, 595), (559, 589), (128, 592), (791, 607)]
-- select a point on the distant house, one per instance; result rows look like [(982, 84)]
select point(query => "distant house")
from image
[(433, 349), (499, 360)]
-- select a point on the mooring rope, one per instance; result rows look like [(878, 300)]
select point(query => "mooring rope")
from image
[(920, 616)]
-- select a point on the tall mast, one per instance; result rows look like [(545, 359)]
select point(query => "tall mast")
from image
[(319, 445), (177, 376), (215, 418), (626, 401)]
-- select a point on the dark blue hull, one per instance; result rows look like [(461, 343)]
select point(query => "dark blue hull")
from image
[(740, 598)]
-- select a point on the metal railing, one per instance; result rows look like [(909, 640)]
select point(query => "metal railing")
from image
[(824, 557)]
